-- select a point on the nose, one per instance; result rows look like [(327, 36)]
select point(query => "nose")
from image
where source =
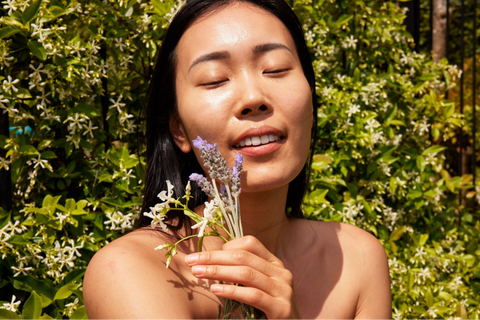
[(250, 110), (252, 98)]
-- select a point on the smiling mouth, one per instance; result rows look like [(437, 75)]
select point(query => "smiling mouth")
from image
[(258, 140)]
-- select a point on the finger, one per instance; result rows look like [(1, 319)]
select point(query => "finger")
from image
[(274, 308), (246, 276), (237, 258), (253, 245)]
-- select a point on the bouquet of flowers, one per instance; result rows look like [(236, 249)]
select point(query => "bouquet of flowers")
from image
[(223, 206)]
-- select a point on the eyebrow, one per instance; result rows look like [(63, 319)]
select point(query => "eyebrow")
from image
[(219, 55), (223, 55), (266, 47)]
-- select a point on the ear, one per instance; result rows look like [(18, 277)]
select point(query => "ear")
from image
[(179, 135)]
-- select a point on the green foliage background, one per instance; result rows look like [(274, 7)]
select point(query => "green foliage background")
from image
[(77, 168)]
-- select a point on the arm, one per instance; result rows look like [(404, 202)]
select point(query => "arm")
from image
[(267, 285)]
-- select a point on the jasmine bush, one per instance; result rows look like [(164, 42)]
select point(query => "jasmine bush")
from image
[(73, 76)]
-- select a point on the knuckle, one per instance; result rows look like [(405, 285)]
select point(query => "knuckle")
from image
[(248, 274), (288, 277), (206, 256), (239, 257), (213, 271), (250, 241), (255, 297)]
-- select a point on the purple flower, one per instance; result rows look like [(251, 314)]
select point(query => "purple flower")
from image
[(199, 143), (238, 161), (198, 178), (203, 183)]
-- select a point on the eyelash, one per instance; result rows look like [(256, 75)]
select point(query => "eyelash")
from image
[(276, 71), (213, 84)]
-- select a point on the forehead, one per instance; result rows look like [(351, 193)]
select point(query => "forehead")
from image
[(232, 27)]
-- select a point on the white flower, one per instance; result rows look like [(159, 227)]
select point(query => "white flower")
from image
[(163, 195), (208, 216), (432, 312), (354, 108), (159, 212), (8, 84), (10, 5), (350, 42), (117, 104), (371, 125), (310, 36), (21, 269), (12, 306)]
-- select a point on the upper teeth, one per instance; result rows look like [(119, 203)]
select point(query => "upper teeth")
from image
[(256, 141)]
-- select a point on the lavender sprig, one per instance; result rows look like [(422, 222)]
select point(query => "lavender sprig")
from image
[(217, 168)]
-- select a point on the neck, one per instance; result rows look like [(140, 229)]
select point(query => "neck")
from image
[(264, 216)]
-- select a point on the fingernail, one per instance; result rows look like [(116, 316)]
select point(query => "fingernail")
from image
[(191, 259), (215, 288), (198, 270)]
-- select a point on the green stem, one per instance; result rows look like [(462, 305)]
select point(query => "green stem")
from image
[(200, 244), (183, 239), (228, 233), (220, 203)]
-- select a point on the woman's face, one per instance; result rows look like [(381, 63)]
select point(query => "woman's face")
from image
[(240, 84)]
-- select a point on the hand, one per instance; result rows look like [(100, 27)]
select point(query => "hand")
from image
[(267, 284)]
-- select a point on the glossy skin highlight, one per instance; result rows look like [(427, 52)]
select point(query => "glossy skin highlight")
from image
[(238, 76)]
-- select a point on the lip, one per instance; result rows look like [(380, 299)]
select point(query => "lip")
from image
[(260, 149)]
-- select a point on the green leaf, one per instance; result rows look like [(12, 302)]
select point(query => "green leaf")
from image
[(17, 168), (75, 275), (23, 93), (18, 239), (433, 150), (448, 111), (7, 314), (80, 313), (38, 50), (33, 307), (421, 163), (29, 284), (66, 291), (48, 155), (461, 311), (423, 239), (429, 298), (418, 309), (397, 123), (343, 19), (397, 234), (8, 31), (86, 109), (30, 13), (28, 150)]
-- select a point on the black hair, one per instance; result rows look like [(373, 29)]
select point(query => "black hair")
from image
[(165, 161)]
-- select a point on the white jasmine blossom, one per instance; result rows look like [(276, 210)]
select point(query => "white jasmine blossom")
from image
[(208, 216), (372, 125), (12, 306)]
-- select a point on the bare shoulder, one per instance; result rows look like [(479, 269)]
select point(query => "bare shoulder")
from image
[(365, 260), (351, 240), (128, 279)]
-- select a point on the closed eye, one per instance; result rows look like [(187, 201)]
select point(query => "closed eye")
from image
[(214, 83), (276, 71)]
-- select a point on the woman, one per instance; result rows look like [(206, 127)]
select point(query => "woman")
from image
[(238, 73)]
